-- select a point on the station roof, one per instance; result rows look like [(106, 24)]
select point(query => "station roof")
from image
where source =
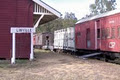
[(41, 8)]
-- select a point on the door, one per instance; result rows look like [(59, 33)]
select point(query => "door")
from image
[(98, 33), (88, 42), (47, 42), (23, 44)]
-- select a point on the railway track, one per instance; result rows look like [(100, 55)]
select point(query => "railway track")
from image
[(102, 58), (98, 56)]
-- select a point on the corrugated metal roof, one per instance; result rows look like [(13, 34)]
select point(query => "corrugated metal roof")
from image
[(99, 16)]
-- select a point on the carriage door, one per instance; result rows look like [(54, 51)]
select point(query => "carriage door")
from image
[(98, 34), (47, 41), (88, 43)]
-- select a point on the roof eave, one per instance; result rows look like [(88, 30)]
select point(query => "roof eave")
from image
[(52, 10), (99, 16)]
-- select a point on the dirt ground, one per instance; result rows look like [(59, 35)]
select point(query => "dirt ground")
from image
[(53, 66)]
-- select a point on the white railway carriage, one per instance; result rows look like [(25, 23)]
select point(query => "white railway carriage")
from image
[(64, 39), (71, 38)]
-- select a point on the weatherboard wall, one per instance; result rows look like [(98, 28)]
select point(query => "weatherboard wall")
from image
[(15, 13)]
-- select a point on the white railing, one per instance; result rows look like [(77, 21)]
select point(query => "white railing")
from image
[(39, 9)]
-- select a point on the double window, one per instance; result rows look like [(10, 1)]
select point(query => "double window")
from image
[(105, 33), (108, 33)]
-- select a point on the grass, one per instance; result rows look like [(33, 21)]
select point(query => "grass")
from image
[(19, 62), (22, 61), (4, 63), (40, 50)]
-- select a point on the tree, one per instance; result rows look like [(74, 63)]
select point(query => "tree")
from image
[(70, 16), (102, 6), (69, 20), (50, 26)]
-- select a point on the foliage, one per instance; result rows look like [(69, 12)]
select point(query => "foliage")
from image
[(68, 21), (70, 16), (102, 6)]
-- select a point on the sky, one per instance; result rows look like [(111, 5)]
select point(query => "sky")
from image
[(79, 7)]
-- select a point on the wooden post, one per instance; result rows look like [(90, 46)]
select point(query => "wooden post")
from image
[(13, 49), (95, 35), (31, 54)]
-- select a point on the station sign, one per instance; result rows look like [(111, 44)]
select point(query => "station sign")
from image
[(22, 30)]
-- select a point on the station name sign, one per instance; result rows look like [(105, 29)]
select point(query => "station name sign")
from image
[(22, 30)]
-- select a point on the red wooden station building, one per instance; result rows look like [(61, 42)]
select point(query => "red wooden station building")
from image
[(18, 20)]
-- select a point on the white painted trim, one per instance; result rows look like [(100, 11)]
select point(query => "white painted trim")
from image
[(37, 23), (95, 35), (14, 31), (99, 16), (38, 13), (13, 49), (22, 30), (35, 7), (40, 9), (41, 3), (31, 54)]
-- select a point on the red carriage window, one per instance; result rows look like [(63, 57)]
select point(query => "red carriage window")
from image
[(103, 33), (98, 33), (113, 33), (88, 34), (78, 33), (107, 33), (118, 32), (98, 23)]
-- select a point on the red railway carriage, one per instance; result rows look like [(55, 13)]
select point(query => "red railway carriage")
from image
[(101, 32), (43, 40), (34, 39)]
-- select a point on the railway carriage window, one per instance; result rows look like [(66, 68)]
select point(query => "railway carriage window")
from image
[(88, 34), (38, 38), (103, 33), (98, 23), (98, 33), (118, 32), (107, 35), (65, 29), (113, 33), (78, 33)]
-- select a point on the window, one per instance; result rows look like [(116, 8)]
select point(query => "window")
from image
[(98, 33), (107, 33), (88, 34), (103, 33), (47, 37), (113, 33), (98, 23), (118, 32), (78, 34)]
